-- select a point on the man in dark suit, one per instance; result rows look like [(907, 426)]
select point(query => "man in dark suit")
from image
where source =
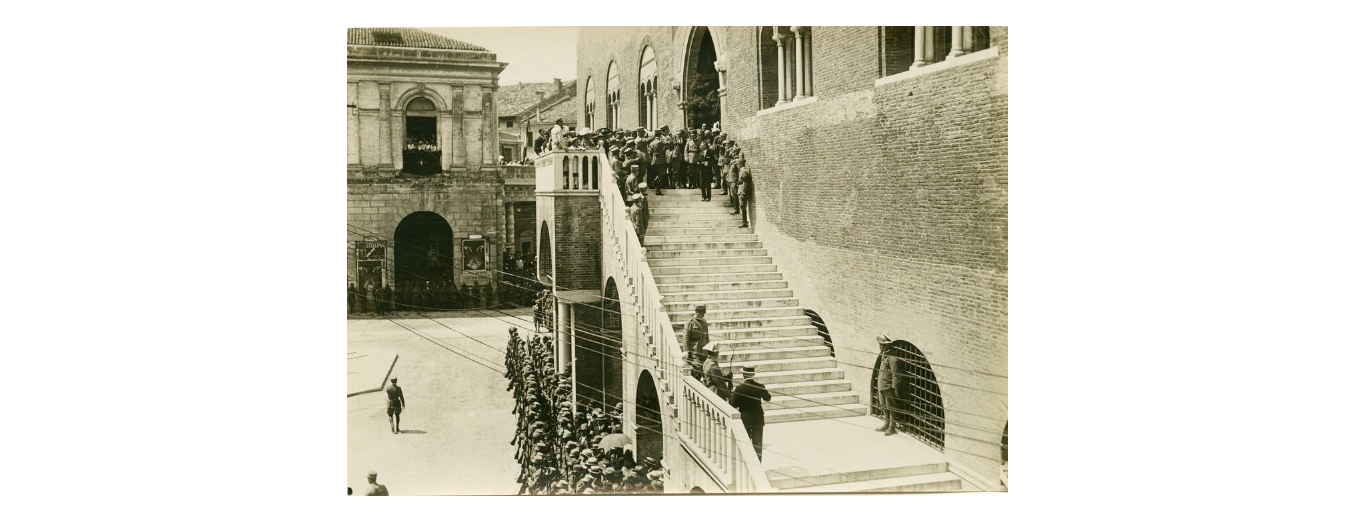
[(887, 384), (748, 398)]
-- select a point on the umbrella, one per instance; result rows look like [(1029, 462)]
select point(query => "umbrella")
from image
[(615, 440)]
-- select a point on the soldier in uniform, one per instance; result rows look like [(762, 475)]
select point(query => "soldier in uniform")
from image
[(697, 334), (744, 190), (658, 174), (374, 488), (748, 398), (394, 404), (715, 376), (887, 384), (352, 298)]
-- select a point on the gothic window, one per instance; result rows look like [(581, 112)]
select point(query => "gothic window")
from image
[(648, 85), (613, 96)]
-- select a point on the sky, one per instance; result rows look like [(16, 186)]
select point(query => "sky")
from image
[(533, 54)]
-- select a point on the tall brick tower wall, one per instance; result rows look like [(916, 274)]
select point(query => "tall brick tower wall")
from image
[(883, 199)]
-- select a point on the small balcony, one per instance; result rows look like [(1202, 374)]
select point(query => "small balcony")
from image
[(422, 160), (568, 170)]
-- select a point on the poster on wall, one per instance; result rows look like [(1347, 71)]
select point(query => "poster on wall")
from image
[(370, 263), (472, 250)]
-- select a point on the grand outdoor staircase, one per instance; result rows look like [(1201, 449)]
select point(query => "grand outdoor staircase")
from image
[(700, 255)]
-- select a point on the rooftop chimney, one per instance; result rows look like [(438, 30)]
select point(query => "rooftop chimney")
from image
[(559, 86), (540, 95)]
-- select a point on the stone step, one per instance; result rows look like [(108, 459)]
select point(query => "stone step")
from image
[(681, 194), (714, 305), (793, 375), (771, 343), (944, 482), (817, 413), (708, 245), (803, 388), (701, 227), (763, 332), (704, 254), (659, 271), (784, 481), (704, 208), (745, 323), (694, 218), (702, 296), (733, 237), (811, 400), (757, 356), (716, 277), (739, 236), (680, 317), (722, 286), (784, 364), (706, 261), (680, 229)]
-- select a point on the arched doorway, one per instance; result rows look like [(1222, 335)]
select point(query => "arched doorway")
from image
[(822, 329), (612, 369), (648, 419), (545, 263), (423, 253), (422, 152), (921, 410), (701, 90)]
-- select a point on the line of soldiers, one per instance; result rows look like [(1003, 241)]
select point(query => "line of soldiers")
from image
[(559, 446), (430, 296)]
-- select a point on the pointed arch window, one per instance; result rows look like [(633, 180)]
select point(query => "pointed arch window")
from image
[(648, 89), (589, 106), (613, 96)]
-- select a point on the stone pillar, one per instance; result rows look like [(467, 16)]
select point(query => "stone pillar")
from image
[(397, 138), (780, 67), (799, 62), (385, 126), (924, 46), (808, 64), (354, 132), (960, 41)]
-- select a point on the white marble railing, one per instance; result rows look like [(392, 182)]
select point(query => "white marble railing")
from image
[(706, 424), (715, 428), (560, 170)]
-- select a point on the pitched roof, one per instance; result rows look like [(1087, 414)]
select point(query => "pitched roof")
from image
[(563, 110), (513, 99), (406, 37), (551, 105)]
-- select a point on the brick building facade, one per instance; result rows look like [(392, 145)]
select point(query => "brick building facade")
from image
[(879, 157), (427, 201)]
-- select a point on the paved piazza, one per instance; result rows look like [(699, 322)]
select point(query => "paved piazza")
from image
[(459, 420)]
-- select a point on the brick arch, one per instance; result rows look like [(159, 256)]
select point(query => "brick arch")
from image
[(921, 406)]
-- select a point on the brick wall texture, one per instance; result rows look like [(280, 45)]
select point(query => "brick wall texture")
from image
[(471, 203), (578, 242), (885, 205)]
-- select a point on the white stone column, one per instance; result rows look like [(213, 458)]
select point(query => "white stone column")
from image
[(959, 41), (808, 64), (799, 62), (783, 85), (923, 46)]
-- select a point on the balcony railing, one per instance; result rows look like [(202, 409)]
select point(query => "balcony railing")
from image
[(706, 424), (422, 162), (560, 170)]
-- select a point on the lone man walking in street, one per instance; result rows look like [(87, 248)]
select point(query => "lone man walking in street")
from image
[(394, 404), (374, 488), (748, 398)]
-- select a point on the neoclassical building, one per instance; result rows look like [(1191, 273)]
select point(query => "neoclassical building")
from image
[(879, 159), (427, 201)]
